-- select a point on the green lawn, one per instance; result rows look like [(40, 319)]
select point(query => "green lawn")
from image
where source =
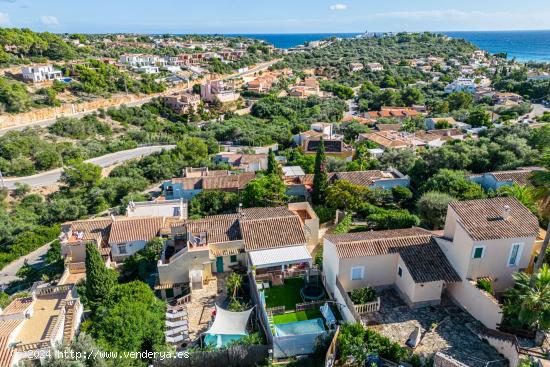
[(297, 316), (286, 295)]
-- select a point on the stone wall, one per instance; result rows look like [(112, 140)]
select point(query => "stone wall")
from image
[(443, 360), (67, 110)]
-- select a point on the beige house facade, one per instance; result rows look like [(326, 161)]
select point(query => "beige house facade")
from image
[(488, 238)]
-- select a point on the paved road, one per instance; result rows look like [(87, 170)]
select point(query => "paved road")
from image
[(51, 177), (35, 258)]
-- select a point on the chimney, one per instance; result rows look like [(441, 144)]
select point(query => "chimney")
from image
[(507, 212), (112, 217), (240, 208)]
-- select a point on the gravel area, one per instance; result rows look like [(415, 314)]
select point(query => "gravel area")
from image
[(444, 328)]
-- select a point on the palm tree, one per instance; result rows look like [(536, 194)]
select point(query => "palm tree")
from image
[(530, 298), (234, 282), (541, 180), (524, 194)]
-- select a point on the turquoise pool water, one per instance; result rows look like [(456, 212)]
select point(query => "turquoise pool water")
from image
[(313, 326), (220, 340)]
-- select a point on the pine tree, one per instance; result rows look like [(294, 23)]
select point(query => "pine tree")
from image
[(273, 167), (320, 177), (99, 279)]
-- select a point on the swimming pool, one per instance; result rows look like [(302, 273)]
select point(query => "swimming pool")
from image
[(313, 326), (220, 341)]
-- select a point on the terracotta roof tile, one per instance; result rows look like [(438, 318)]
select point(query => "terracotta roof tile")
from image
[(272, 232), (484, 219), (422, 256), (6, 353), (18, 305), (519, 176), (135, 229), (259, 228), (218, 228)]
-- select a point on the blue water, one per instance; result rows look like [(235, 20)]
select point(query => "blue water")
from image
[(288, 40), (313, 326), (523, 45), (220, 341)]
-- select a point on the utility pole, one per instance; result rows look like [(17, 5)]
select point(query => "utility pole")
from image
[(2, 179)]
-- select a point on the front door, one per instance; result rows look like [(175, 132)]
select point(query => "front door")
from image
[(219, 264)]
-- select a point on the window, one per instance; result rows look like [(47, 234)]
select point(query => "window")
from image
[(478, 252), (399, 271), (233, 259), (515, 254), (122, 249), (357, 273)]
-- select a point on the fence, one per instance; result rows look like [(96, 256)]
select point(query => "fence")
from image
[(368, 307), (260, 310), (276, 310), (332, 352), (238, 356), (309, 305)]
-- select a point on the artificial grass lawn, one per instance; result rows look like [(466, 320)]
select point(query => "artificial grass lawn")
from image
[(285, 295), (297, 316)]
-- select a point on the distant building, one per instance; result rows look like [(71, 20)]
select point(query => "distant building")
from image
[(148, 69), (375, 66), (196, 180), (243, 162), (495, 180), (432, 123), (309, 87), (42, 73), (183, 103), (218, 91), (159, 208), (356, 66), (398, 113), (461, 85), (300, 184)]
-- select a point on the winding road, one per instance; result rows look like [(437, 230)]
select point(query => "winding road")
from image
[(51, 177)]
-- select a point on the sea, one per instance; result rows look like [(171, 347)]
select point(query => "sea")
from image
[(522, 45)]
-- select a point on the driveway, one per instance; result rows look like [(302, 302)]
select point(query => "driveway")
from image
[(51, 177), (35, 258)]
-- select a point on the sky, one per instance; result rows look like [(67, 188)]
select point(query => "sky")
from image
[(273, 16)]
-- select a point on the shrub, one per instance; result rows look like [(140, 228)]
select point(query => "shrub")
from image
[(485, 284), (325, 214), (344, 226), (363, 295)]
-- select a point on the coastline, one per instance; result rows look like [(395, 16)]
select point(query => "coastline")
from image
[(523, 45)]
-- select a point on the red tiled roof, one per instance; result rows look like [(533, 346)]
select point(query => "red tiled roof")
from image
[(135, 229), (484, 219), (422, 256)]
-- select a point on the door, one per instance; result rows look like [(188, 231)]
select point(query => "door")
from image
[(219, 264)]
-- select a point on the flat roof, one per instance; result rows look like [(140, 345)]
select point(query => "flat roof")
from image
[(279, 256)]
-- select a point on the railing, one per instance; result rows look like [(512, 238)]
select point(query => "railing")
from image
[(184, 299), (368, 307), (54, 290), (347, 300), (309, 305), (276, 310)]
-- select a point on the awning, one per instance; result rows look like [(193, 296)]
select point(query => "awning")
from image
[(279, 256), (229, 323)]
